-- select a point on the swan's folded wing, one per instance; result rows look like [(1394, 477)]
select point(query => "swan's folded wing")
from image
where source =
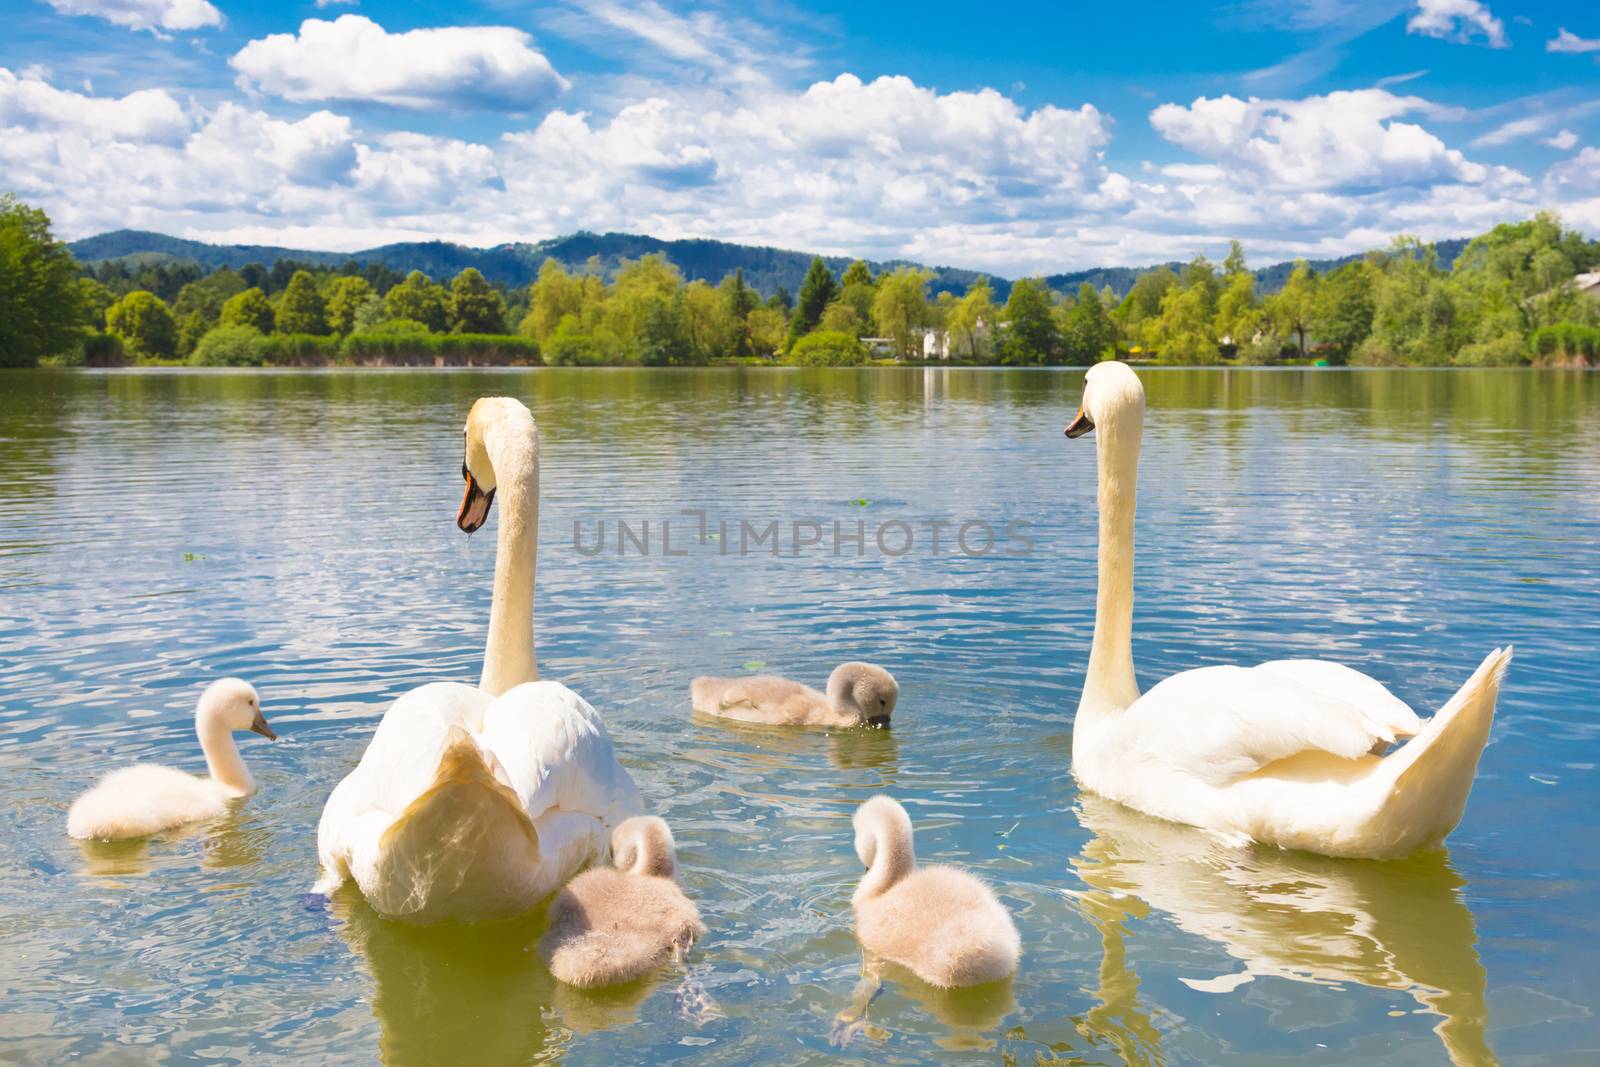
[(1392, 715), (400, 764), (1219, 724), (557, 754)]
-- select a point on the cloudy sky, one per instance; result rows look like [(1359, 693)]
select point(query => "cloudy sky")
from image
[(1006, 137)]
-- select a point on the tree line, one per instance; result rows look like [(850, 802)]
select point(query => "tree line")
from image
[(1509, 298)]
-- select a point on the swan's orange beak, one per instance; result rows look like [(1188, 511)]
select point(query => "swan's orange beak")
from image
[(259, 726), (1080, 425), (474, 504)]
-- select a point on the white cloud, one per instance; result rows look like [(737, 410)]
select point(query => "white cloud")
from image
[(1580, 174), (1343, 139), (884, 168), (1562, 141), (1571, 43), (1458, 20), (338, 3), (354, 59), (145, 14), (149, 116)]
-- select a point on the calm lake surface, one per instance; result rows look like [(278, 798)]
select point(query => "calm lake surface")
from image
[(160, 529)]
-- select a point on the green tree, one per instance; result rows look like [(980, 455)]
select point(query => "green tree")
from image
[(857, 288), (300, 309), (1031, 332), (1345, 307), (191, 328), (817, 291), (144, 324), (900, 309), (765, 326), (1234, 264), (418, 298), (230, 346), (828, 348), (1142, 305), (95, 300), (475, 305), (708, 322), (208, 294), (839, 317), (1088, 330), (250, 308), (1182, 332), (554, 295), (42, 304), (972, 320), (345, 301), (662, 338), (1294, 307), (1238, 314), (1414, 314), (739, 300)]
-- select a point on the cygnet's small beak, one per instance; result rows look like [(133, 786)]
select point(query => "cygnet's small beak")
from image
[(474, 504), (258, 725), (1080, 425)]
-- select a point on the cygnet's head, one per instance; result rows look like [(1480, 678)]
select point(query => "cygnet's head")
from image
[(643, 845), (866, 690), (881, 823), (234, 704), (508, 423), (1112, 396)]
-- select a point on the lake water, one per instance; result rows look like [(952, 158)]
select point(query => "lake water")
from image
[(161, 529)]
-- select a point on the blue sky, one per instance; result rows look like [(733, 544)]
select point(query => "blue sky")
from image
[(1014, 138)]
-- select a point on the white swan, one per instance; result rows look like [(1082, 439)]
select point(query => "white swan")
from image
[(146, 798), (1286, 753), (474, 803)]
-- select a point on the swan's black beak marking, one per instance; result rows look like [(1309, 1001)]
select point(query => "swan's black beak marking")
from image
[(1080, 425), (474, 504), (259, 726)]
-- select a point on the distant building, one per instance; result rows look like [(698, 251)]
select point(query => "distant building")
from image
[(1588, 283), (879, 346)]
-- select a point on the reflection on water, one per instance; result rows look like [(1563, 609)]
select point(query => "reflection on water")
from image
[(296, 529), (1397, 925), (456, 993)]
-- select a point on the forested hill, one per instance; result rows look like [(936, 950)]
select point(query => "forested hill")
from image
[(514, 264), (517, 264)]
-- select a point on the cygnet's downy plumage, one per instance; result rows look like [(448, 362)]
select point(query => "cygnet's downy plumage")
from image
[(940, 923), (616, 924), (147, 798), (858, 694)]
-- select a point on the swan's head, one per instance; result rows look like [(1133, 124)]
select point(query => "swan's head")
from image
[(881, 825), (235, 705), (1111, 392), (495, 425), (869, 691), (643, 845)]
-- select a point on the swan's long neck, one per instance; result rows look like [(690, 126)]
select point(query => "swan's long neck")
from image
[(223, 761), (1110, 685), (508, 659), (892, 859)]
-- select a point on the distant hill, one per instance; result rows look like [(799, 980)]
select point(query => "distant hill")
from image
[(514, 264), (764, 268)]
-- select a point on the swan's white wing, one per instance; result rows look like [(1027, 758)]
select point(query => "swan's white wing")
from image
[(557, 754), (1351, 686), (1217, 724), (399, 764)]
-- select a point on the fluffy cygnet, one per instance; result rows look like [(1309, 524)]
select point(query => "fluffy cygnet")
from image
[(857, 693), (615, 924), (147, 798), (940, 923)]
